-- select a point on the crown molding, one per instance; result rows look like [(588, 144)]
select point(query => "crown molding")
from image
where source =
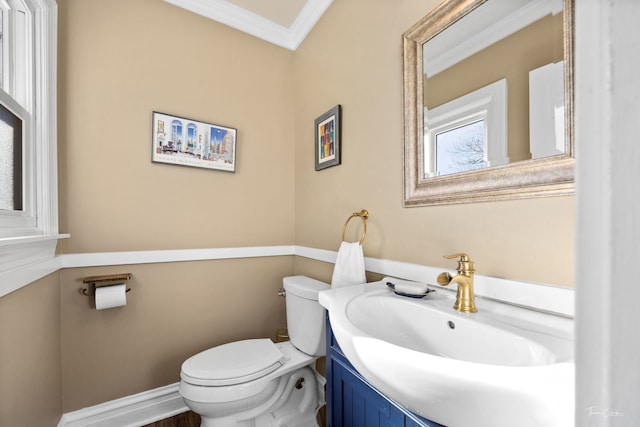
[(248, 22)]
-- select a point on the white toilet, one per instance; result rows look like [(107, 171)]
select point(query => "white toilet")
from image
[(259, 383)]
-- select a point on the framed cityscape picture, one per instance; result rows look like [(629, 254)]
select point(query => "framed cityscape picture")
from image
[(186, 142)]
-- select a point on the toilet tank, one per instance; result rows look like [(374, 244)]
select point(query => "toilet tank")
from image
[(305, 316)]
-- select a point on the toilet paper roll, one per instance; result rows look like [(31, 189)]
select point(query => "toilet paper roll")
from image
[(111, 296)]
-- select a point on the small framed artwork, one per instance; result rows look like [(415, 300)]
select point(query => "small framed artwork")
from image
[(327, 142), (187, 142)]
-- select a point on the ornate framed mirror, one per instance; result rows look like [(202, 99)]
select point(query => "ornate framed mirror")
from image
[(488, 102)]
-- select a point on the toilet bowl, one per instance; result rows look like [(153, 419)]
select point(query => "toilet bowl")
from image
[(259, 383)]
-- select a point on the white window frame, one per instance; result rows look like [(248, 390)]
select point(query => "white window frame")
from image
[(23, 222), (488, 103), (28, 239)]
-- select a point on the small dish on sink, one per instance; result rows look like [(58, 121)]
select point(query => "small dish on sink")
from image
[(409, 289)]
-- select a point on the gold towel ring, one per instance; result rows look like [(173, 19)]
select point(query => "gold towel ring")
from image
[(364, 215)]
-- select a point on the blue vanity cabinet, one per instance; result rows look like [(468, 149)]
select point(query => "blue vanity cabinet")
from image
[(353, 402)]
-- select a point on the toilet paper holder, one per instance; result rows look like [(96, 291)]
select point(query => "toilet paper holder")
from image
[(94, 282)]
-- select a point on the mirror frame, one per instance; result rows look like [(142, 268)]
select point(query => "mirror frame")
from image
[(551, 176)]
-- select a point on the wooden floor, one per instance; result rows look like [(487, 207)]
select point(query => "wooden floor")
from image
[(187, 419)]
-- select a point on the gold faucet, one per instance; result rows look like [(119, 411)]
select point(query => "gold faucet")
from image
[(464, 298)]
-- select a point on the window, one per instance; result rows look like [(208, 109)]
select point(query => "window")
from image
[(16, 201), (467, 133), (28, 173), (461, 148), (11, 141)]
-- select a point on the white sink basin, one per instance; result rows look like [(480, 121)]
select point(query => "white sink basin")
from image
[(503, 366)]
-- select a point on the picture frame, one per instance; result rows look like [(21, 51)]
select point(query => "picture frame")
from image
[(186, 142), (327, 139)]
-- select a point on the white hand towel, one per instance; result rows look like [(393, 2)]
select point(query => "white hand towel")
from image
[(349, 268)]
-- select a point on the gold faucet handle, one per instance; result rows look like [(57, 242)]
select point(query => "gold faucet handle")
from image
[(463, 257), (465, 265), (444, 279)]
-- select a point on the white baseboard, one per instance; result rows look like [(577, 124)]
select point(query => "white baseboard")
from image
[(130, 411)]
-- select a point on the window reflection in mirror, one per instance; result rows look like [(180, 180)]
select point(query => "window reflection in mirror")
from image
[(474, 126), (520, 42), (461, 149)]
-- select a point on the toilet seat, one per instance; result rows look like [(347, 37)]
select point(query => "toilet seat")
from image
[(233, 363)]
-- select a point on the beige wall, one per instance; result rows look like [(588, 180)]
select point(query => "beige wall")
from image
[(173, 311), (30, 343), (119, 61), (353, 57)]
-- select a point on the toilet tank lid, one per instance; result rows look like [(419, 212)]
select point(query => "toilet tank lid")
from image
[(233, 363), (304, 286)]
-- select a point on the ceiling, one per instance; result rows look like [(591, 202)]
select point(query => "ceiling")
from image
[(282, 22)]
